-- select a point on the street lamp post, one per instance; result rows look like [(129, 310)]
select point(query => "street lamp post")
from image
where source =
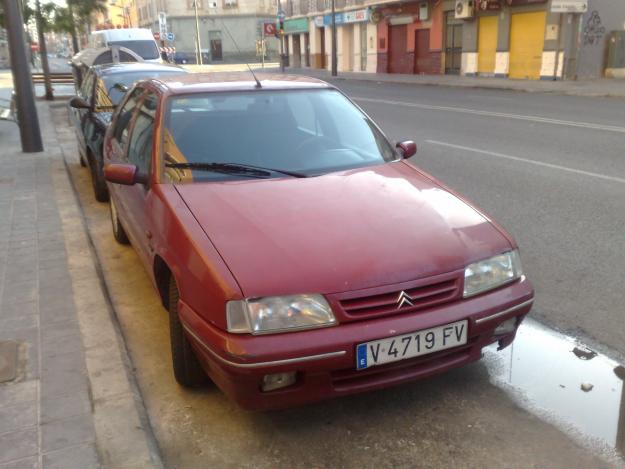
[(334, 56), (24, 97), (197, 34)]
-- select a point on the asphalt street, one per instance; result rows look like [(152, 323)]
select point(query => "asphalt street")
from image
[(515, 157), (549, 168)]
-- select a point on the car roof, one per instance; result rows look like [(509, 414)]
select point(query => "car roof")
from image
[(126, 67), (235, 81)]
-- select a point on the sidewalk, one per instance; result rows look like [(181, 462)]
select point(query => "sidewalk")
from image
[(71, 401), (593, 88)]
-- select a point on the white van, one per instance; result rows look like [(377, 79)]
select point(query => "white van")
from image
[(141, 41)]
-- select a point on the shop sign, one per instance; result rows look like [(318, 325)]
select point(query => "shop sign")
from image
[(514, 3), (356, 16), (297, 25), (489, 5), (569, 6)]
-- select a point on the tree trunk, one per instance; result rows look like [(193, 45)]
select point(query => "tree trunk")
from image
[(73, 31), (43, 51)]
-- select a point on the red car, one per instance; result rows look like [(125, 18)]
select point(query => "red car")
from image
[(300, 256)]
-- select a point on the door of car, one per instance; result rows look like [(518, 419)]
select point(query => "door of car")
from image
[(139, 198), (117, 153), (80, 116)]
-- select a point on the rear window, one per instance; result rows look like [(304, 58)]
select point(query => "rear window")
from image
[(146, 49), (129, 78)]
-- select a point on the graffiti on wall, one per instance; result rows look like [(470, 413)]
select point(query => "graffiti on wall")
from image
[(593, 29)]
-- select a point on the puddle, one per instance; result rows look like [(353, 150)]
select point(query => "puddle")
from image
[(564, 381)]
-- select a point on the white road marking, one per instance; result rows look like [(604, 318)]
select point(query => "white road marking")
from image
[(524, 160), (463, 110)]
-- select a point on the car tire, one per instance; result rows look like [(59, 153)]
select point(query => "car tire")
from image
[(118, 230), (100, 191), (187, 369)]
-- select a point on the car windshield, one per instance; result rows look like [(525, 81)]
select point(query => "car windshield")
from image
[(127, 79), (146, 49), (309, 132)]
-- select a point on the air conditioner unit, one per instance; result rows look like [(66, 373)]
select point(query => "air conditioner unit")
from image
[(464, 9)]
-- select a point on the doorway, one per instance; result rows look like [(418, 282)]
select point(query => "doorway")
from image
[(453, 44), (422, 51), (297, 51), (397, 49), (214, 39), (363, 47), (322, 60)]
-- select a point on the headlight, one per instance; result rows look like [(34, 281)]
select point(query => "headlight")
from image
[(278, 314), (492, 273)]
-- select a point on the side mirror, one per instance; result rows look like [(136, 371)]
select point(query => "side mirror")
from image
[(120, 87), (406, 148), (78, 103), (125, 174)]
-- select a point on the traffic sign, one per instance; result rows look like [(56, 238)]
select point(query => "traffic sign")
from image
[(281, 15), (171, 37), (269, 29), (157, 36)]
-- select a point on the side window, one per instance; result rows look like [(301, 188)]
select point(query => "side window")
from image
[(102, 98), (87, 86), (122, 123), (141, 141)]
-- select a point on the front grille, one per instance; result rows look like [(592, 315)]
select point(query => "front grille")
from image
[(422, 296)]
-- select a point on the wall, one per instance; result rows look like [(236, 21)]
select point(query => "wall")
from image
[(602, 17), (244, 30)]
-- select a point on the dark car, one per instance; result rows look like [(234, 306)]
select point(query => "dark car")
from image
[(299, 254), (102, 88)]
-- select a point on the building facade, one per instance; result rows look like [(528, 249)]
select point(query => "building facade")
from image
[(517, 39), (229, 30)]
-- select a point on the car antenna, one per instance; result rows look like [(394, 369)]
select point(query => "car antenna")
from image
[(258, 85)]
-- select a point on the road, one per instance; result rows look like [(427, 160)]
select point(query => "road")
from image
[(550, 169), (558, 187)]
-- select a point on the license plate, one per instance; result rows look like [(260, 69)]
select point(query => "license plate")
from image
[(401, 347)]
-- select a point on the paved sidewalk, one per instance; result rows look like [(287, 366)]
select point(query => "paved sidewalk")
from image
[(73, 402), (592, 88)]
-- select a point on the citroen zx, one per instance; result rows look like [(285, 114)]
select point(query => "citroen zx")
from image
[(299, 255)]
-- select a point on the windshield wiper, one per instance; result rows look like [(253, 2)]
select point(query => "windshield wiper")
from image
[(235, 168)]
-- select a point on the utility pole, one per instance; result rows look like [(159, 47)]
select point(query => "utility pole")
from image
[(24, 97), (334, 56), (43, 52), (197, 34)]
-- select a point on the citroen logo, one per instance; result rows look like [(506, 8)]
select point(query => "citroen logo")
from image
[(403, 300)]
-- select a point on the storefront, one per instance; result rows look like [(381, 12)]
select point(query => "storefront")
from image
[(297, 42), (410, 38), (355, 36)]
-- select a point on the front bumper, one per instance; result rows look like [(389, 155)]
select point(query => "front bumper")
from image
[(325, 359)]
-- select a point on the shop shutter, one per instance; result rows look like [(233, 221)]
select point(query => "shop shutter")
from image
[(487, 44), (527, 33)]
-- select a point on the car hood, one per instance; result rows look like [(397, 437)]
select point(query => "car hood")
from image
[(339, 232)]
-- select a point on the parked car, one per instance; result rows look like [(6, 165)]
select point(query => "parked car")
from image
[(184, 58), (139, 40), (300, 256), (102, 88)]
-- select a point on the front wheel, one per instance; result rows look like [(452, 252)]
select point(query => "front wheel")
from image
[(187, 368), (118, 230)]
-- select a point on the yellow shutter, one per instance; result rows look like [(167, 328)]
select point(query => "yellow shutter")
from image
[(527, 34), (487, 44)]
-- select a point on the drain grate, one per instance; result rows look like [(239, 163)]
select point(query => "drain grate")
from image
[(8, 360)]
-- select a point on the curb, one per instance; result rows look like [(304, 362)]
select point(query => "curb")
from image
[(124, 436), (505, 85)]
